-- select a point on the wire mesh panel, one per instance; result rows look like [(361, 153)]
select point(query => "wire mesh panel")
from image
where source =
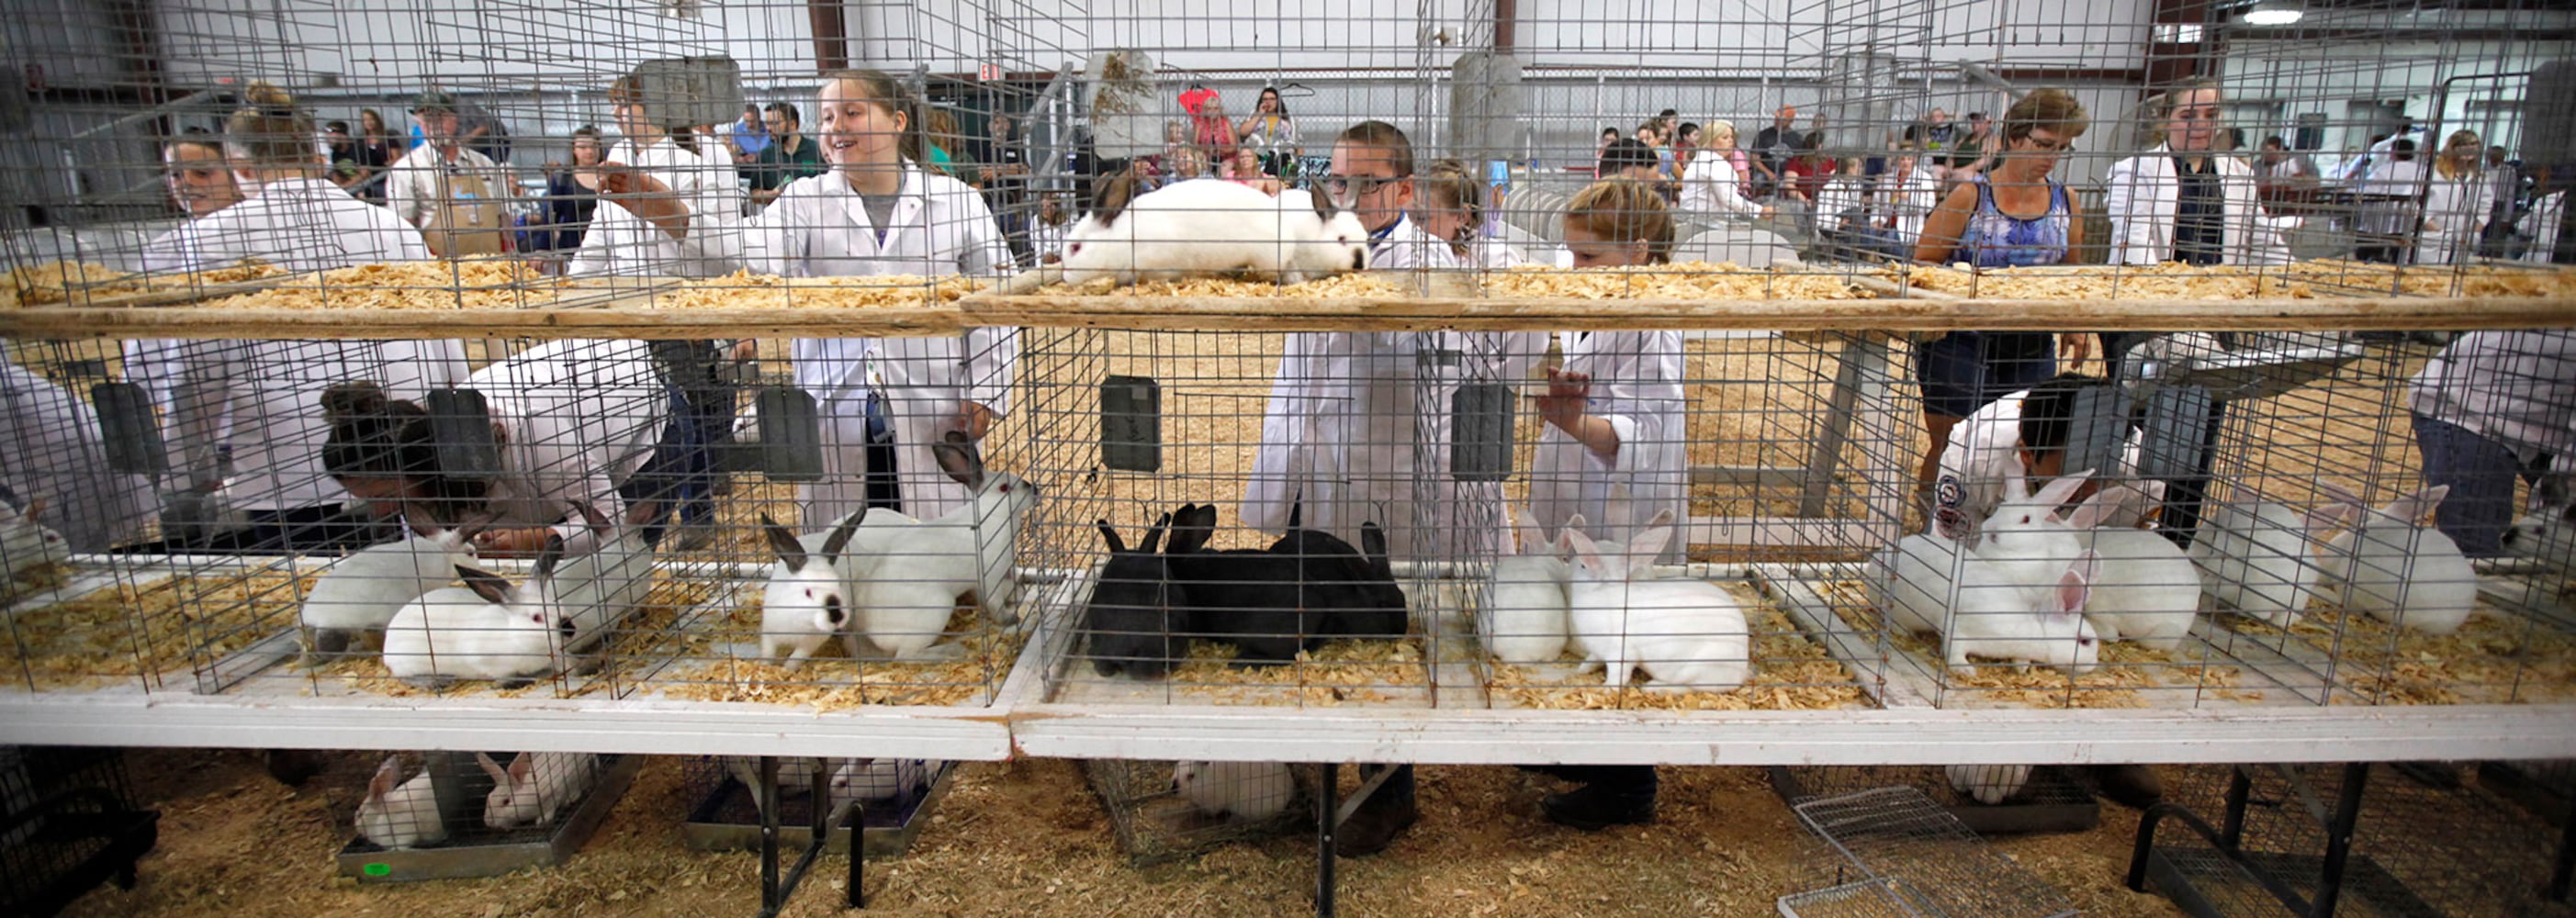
[(1897, 833), (1988, 799), (887, 800), (70, 824), (2426, 842), (1162, 811)]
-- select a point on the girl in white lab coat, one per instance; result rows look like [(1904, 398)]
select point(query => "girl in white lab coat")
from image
[(1612, 449), (1354, 416), (574, 421), (874, 212), (55, 456), (242, 416), (2455, 202)]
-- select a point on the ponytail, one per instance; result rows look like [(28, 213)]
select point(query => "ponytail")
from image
[(268, 130)]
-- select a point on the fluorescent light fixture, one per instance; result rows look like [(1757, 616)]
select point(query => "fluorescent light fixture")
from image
[(2275, 13)]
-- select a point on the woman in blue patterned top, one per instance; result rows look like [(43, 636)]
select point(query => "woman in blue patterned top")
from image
[(2013, 215)]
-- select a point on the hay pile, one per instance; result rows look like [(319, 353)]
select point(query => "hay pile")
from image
[(2298, 280), (745, 290), (486, 284), (127, 631), (76, 284), (717, 664), (1693, 280), (1339, 672)]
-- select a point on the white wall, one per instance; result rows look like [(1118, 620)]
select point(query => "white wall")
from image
[(2295, 76)]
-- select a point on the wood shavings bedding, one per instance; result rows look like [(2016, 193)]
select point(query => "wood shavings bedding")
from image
[(36, 580), (1790, 673), (1685, 280), (2495, 658), (660, 608), (2298, 280), (770, 291), (76, 283), (717, 665), (1338, 672), (488, 284), (1339, 285), (2126, 673), (188, 620)]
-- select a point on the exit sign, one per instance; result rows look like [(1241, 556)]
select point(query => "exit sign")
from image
[(988, 72)]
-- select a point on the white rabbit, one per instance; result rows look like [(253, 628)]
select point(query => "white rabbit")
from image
[(810, 596), (795, 775), (2254, 557), (2400, 572), (877, 780), (1688, 635), (1245, 791), (2026, 540), (1914, 583), (909, 588), (1987, 784), (26, 543), (487, 629), (2547, 533), (1998, 617), (404, 816), (1524, 614), (1212, 227), (598, 590), (535, 787), (2149, 592), (359, 595)]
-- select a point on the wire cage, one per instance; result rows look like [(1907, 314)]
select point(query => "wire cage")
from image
[(1165, 811), (1989, 800), (480, 814), (888, 801), (2494, 860), (71, 823), (1929, 859)]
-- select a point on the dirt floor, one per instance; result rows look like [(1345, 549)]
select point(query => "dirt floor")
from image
[(1029, 838)]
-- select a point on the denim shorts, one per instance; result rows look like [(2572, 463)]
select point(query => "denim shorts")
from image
[(1967, 370)]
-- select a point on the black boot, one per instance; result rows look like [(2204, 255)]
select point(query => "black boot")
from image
[(2132, 786), (1381, 818), (1613, 796)]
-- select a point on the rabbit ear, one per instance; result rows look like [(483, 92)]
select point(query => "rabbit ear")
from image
[(591, 517), (2061, 489), (956, 454), (2076, 584), (2412, 507), (841, 534), (500, 778), (783, 541), (1586, 552), (1373, 544), (485, 584), (1647, 546), (1154, 536), (2550, 491), (548, 556), (523, 767), (36, 510), (387, 775), (1117, 546), (2339, 495)]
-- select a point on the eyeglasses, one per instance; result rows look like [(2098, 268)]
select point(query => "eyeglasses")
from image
[(1357, 185), (2040, 144)]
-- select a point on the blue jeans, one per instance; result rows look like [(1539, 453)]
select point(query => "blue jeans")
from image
[(682, 468), (1966, 370), (2480, 472)]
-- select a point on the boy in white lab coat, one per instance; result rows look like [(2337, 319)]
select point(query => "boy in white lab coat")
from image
[(242, 416)]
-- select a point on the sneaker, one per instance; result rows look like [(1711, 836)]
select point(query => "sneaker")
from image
[(1380, 820), (1592, 809), (2132, 786)]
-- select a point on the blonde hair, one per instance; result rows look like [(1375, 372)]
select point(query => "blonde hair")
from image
[(1710, 131), (2451, 146), (268, 130), (1449, 183), (875, 86), (1624, 210), (2051, 108)]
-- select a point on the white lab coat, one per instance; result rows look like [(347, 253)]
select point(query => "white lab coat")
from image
[(55, 456), (1636, 386), (2144, 195), (260, 400), (1985, 452), (940, 227), (2398, 210), (620, 243), (2454, 210), (578, 418), (2541, 224), (1909, 202), (1353, 416), (1710, 186)]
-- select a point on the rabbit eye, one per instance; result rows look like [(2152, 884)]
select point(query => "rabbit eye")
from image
[(1074, 249), (2084, 641)]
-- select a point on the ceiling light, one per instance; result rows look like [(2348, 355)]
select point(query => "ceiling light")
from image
[(2274, 13)]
